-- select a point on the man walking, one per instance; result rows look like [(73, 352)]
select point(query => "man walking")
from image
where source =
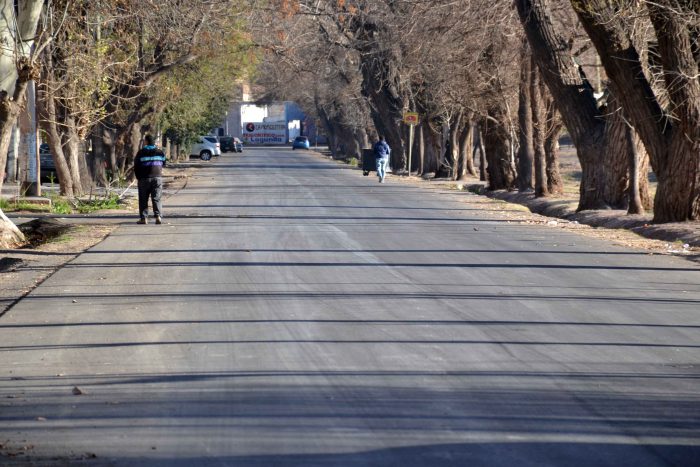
[(148, 167), (381, 154)]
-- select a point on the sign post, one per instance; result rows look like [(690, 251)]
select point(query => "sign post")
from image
[(411, 119)]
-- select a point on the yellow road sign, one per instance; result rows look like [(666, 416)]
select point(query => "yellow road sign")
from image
[(411, 118)]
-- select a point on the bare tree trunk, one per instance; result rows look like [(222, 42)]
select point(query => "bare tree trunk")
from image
[(346, 142), (455, 129), (444, 163), (10, 235), (616, 162), (626, 158), (13, 152), (420, 145), (75, 155), (555, 184), (526, 151), (572, 93), (643, 175), (382, 84), (50, 124), (362, 139), (466, 141), (479, 146), (119, 149), (338, 148), (10, 107), (100, 153), (671, 138), (501, 171), (554, 125), (18, 24), (17, 32), (328, 127), (678, 193), (635, 200), (172, 151), (539, 123), (132, 141), (109, 141), (86, 180), (433, 144)]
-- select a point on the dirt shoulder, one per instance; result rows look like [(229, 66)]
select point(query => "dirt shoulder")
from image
[(680, 233), (638, 231), (21, 270), (55, 242), (681, 239)]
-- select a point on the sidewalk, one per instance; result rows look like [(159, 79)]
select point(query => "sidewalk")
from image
[(682, 238), (174, 179), (21, 270), (683, 233)]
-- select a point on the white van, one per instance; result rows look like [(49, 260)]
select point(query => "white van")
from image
[(205, 147)]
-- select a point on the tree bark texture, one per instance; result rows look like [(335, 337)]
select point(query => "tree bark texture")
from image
[(328, 127), (100, 153), (678, 193), (625, 158), (539, 129), (444, 159), (479, 147), (672, 139), (616, 162), (380, 57), (431, 148), (17, 34), (453, 157), (386, 110), (420, 145), (10, 235), (526, 149), (572, 94), (635, 205), (50, 125), (555, 184), (9, 110), (500, 167), (466, 159), (13, 152)]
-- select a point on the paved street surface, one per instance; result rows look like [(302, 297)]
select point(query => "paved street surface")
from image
[(293, 312)]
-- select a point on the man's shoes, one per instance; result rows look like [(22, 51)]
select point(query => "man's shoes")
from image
[(159, 220), (143, 220)]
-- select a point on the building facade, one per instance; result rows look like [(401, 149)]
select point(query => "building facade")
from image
[(273, 123)]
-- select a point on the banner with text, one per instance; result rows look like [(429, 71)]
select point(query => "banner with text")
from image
[(264, 133)]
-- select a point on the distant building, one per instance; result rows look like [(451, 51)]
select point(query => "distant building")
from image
[(273, 123)]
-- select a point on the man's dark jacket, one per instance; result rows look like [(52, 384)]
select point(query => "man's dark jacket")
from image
[(381, 150), (149, 162)]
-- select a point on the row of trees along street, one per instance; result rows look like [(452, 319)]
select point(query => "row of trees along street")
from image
[(106, 71), (621, 77)]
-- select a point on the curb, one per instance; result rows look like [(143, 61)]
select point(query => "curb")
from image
[(687, 233)]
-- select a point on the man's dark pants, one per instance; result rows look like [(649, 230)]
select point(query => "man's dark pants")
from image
[(152, 187)]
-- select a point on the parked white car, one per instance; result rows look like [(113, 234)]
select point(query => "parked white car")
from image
[(205, 147)]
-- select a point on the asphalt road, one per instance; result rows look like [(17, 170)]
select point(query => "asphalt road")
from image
[(294, 313)]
